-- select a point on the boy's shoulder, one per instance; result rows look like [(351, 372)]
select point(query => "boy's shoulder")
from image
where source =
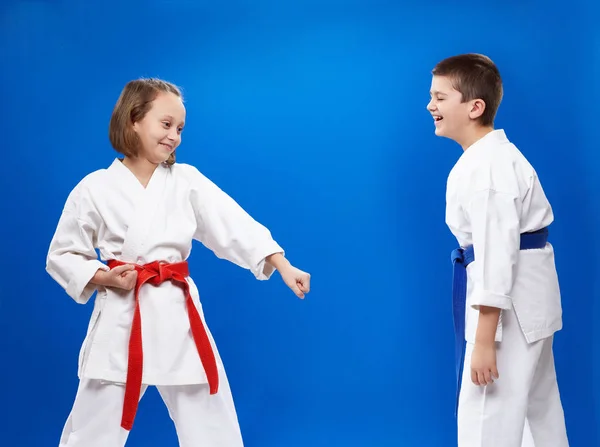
[(495, 150), (494, 162)]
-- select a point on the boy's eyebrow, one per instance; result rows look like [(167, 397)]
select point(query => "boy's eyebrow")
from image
[(435, 92)]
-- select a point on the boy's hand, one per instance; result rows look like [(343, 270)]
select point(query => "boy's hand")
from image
[(483, 364)]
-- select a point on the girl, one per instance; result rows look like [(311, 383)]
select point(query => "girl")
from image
[(147, 326)]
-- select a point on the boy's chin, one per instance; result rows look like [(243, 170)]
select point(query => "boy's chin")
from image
[(442, 134), (439, 131)]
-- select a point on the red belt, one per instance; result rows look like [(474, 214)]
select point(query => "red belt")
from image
[(156, 273)]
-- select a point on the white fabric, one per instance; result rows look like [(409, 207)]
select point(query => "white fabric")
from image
[(200, 419), (110, 210), (494, 195), (527, 391)]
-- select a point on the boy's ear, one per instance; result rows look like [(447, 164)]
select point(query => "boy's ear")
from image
[(476, 108)]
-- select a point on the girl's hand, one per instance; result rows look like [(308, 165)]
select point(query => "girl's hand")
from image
[(121, 277), (297, 280)]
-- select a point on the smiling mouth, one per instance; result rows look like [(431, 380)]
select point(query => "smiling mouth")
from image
[(167, 146), (437, 118)]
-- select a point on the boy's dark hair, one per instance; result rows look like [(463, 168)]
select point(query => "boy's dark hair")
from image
[(133, 104), (475, 76)]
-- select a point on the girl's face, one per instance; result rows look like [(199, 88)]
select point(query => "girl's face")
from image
[(160, 130)]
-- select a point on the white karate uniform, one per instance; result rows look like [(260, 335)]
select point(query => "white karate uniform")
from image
[(493, 196), (110, 210)]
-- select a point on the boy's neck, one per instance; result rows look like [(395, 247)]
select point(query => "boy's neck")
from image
[(473, 135)]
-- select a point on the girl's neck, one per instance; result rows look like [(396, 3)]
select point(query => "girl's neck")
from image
[(141, 168)]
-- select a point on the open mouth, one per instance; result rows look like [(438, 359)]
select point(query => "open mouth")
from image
[(437, 118)]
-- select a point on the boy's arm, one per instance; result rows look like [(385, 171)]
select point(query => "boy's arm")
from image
[(496, 231), (484, 369), (487, 325)]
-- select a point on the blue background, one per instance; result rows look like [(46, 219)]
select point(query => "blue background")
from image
[(312, 116)]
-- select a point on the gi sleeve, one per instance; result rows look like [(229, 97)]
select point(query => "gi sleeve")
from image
[(72, 260), (225, 228), (494, 218)]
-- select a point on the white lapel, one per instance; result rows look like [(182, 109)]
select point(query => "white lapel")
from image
[(149, 200)]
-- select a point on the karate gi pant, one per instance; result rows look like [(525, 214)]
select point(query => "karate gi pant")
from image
[(200, 419), (520, 409)]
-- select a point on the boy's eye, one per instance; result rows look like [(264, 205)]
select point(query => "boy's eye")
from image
[(167, 124)]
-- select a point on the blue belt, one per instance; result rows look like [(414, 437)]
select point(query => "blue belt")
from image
[(461, 258)]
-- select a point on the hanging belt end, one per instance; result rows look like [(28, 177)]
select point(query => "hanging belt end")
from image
[(214, 387), (127, 425)]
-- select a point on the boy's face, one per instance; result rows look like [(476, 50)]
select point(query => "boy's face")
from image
[(452, 117)]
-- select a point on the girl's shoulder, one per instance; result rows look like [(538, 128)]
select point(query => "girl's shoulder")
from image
[(187, 172)]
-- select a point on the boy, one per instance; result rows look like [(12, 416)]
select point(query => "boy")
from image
[(506, 294)]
